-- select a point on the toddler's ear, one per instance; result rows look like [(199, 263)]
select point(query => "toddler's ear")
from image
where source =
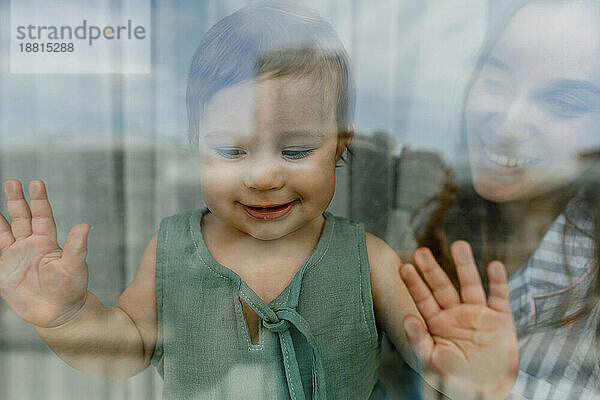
[(344, 140)]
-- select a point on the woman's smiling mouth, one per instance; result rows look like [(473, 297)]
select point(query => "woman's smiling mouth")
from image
[(508, 161)]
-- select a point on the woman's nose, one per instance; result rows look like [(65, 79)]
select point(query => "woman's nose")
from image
[(264, 176), (514, 123)]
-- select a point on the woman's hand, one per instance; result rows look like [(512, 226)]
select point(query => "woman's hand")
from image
[(44, 284), (469, 341)]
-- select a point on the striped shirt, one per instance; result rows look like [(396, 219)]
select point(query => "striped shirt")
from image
[(557, 362)]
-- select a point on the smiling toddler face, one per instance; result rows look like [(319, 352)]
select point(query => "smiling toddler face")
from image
[(268, 154)]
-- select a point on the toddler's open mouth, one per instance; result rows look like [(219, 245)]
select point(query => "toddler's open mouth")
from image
[(269, 211)]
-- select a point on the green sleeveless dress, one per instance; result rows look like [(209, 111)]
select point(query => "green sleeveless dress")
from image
[(317, 339)]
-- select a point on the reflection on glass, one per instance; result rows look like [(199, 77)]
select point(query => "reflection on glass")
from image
[(261, 293), (531, 122)]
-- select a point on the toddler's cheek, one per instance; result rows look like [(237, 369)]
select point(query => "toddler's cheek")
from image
[(213, 187)]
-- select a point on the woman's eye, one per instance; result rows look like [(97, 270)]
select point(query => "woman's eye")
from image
[(565, 105), (230, 152), (296, 154)]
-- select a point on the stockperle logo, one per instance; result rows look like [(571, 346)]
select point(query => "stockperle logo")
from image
[(71, 36)]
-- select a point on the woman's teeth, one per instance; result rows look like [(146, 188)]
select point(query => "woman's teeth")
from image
[(506, 161)]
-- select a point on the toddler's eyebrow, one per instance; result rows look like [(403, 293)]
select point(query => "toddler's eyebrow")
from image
[(318, 134), (220, 134), (303, 132)]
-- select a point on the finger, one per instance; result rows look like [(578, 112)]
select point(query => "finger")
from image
[(443, 290), (42, 221), (471, 289), (6, 236), (419, 338), (75, 250), (18, 209), (499, 298), (426, 303)]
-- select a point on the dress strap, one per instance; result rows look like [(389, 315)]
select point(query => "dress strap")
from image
[(279, 321)]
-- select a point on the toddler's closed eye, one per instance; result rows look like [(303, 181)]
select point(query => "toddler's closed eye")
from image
[(296, 154), (230, 152)]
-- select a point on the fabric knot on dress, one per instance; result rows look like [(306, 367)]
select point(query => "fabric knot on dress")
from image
[(280, 326), (279, 320)]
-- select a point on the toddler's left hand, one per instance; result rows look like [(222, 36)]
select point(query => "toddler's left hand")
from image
[(470, 341)]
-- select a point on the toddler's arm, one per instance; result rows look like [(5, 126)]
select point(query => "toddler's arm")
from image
[(466, 343), (47, 287)]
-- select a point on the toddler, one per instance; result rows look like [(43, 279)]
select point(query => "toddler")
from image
[(262, 294)]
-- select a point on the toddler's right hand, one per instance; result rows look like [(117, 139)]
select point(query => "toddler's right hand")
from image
[(44, 284)]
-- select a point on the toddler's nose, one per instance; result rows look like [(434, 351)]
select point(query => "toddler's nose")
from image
[(264, 177)]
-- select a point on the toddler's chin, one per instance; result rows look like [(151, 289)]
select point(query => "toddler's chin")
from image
[(269, 230), (266, 235)]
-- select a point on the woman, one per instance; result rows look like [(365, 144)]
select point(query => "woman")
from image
[(530, 194)]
